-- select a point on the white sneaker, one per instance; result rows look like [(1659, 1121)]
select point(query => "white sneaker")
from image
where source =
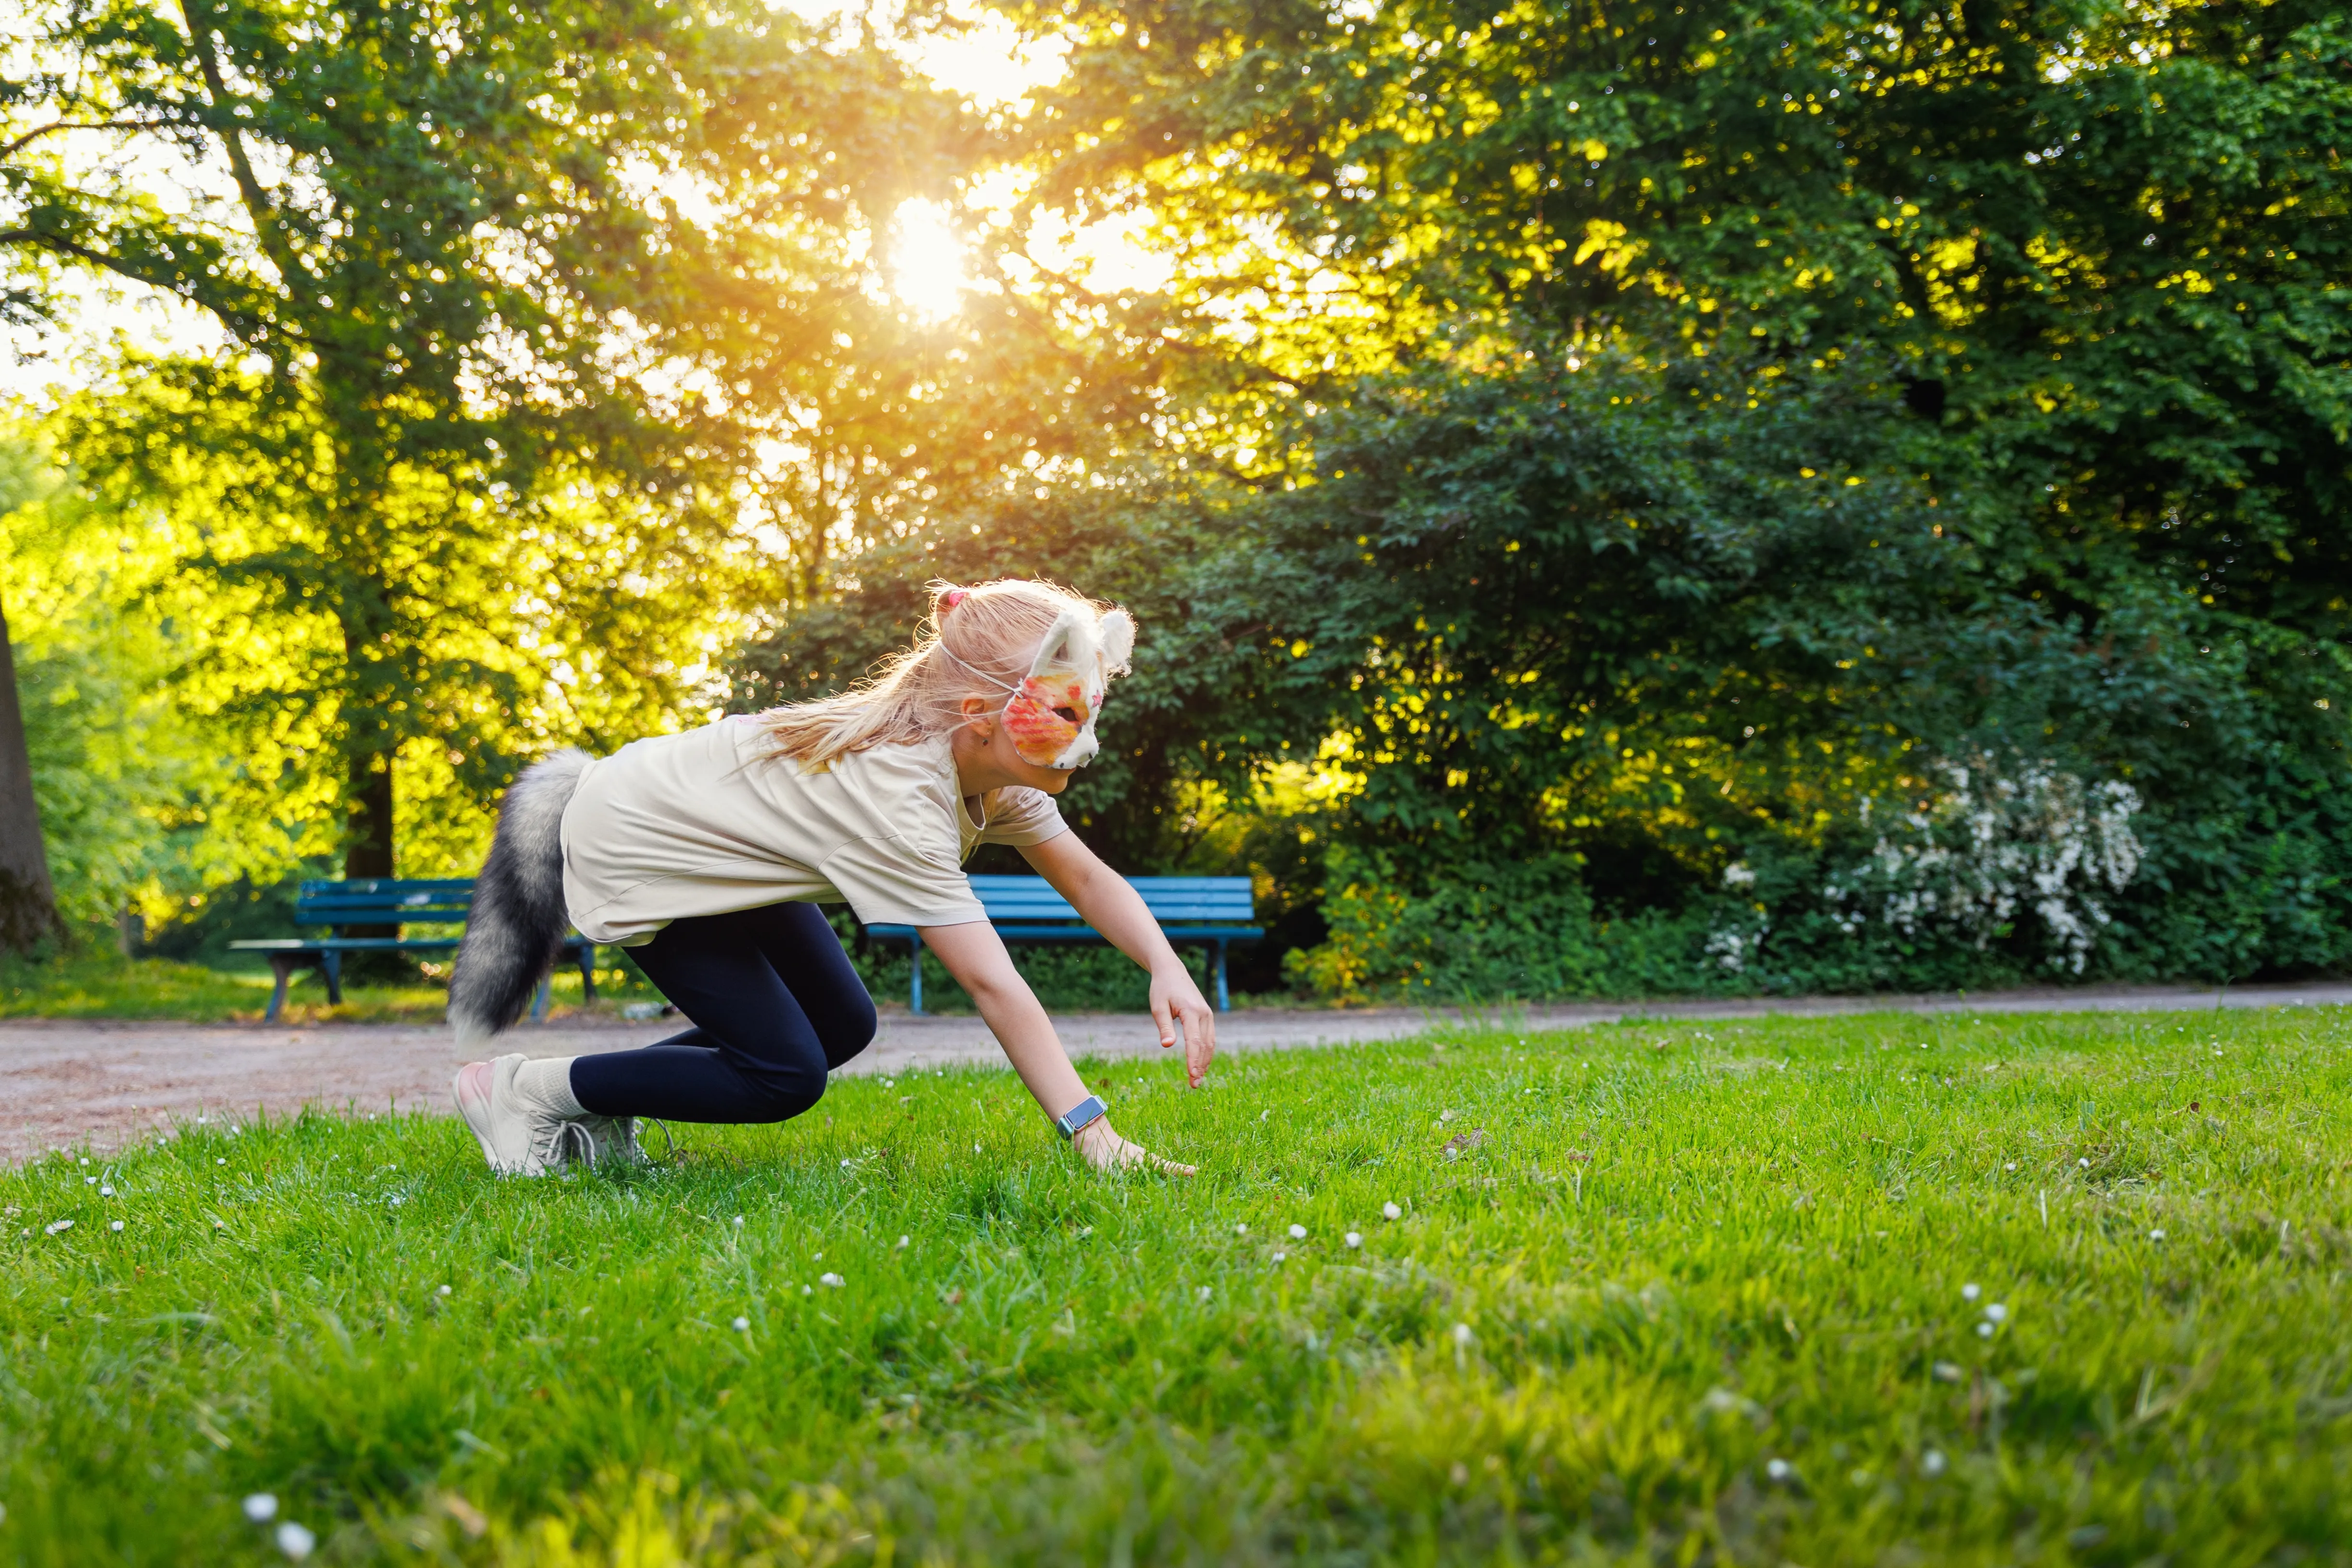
[(614, 1138), (519, 1135)]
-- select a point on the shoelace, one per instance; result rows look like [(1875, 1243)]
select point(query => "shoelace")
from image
[(565, 1140)]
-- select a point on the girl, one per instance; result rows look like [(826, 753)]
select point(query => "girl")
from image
[(706, 854)]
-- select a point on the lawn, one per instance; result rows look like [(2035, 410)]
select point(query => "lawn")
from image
[(1864, 1291)]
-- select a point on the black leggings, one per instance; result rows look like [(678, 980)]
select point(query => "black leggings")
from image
[(775, 1007)]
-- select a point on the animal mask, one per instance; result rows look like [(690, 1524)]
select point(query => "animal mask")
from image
[(1052, 713)]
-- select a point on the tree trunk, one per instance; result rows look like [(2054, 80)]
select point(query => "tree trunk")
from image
[(370, 851), (28, 904)]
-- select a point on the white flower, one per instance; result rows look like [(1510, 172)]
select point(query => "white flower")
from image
[(2085, 1163), (1298, 1232), (2010, 1166), (1204, 1293), (1264, 1114), (1390, 1211), (835, 1280), (260, 1507), (397, 1200), (739, 1222), (1355, 1239), (105, 1191), (807, 1291), (1984, 1331), (89, 1181), (1997, 1313), (905, 1242), (1462, 1334), (1776, 1468), (294, 1541), (1969, 1293), (844, 1164), (742, 1325), (116, 1225), (1932, 1462), (56, 1225), (443, 1292), (2155, 1235), (220, 1225), (220, 1162), (1280, 1255), (975, 1148)]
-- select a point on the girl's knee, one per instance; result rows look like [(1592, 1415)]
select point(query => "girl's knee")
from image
[(852, 1031), (779, 1092)]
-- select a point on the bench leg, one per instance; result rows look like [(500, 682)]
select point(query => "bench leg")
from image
[(915, 946), (539, 1003), (331, 962), (282, 965), (1217, 958), (587, 973)]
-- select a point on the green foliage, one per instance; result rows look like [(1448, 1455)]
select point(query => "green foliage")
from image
[(1671, 1256)]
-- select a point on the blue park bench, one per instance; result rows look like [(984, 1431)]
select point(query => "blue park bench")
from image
[(1210, 911), (384, 901)]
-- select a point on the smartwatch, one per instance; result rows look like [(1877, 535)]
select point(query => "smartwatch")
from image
[(1082, 1114)]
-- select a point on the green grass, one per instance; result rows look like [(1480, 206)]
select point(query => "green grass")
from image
[(1678, 1255)]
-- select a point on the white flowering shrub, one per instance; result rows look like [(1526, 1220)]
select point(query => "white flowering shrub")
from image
[(1994, 844)]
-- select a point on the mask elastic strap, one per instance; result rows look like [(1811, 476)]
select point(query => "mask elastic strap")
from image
[(1007, 687)]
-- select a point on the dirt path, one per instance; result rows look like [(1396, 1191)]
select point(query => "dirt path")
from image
[(74, 1082)]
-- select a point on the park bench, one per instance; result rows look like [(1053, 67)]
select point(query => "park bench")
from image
[(1207, 910), (384, 901)]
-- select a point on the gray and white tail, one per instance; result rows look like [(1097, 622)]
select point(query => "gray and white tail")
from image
[(514, 933)]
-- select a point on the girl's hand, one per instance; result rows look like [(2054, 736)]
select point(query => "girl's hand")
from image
[(1177, 1004), (1104, 1150)]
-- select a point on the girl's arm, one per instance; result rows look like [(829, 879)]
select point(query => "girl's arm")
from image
[(1105, 902), (975, 956)]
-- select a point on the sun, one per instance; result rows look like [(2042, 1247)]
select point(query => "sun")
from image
[(926, 261)]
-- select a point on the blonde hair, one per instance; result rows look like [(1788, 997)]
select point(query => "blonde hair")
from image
[(976, 642)]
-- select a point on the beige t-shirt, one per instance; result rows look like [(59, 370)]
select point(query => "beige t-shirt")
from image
[(707, 823)]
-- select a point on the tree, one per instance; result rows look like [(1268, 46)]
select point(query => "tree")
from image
[(495, 282)]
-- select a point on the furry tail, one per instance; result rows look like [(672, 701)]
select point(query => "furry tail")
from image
[(514, 933)]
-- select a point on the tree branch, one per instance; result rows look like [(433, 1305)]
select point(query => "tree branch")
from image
[(11, 148), (257, 205)]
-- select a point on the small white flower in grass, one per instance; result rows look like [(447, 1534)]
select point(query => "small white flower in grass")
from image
[(1280, 1255), (975, 1148), (1932, 1462), (106, 1192), (220, 1162), (2085, 1163), (835, 1280), (2155, 1235), (56, 1225), (1241, 1228), (739, 1222), (220, 1225), (1984, 1331), (116, 1225), (1355, 1239), (84, 1160), (2010, 1166), (262, 1507), (1204, 1293), (742, 1325), (294, 1541), (1298, 1232), (1997, 1313), (90, 1182), (1390, 1211), (444, 1291), (808, 1290), (844, 1164), (1264, 1114), (1777, 1469), (1462, 1334), (905, 1242), (1969, 1293)]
